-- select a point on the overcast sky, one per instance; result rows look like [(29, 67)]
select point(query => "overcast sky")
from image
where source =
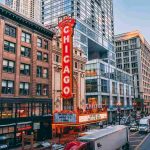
[(132, 15)]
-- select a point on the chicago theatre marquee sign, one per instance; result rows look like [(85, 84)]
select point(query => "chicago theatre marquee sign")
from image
[(67, 116), (66, 27)]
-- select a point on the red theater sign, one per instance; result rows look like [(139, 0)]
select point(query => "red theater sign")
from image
[(66, 27)]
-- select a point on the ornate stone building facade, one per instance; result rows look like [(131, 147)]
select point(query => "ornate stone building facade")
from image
[(79, 61)]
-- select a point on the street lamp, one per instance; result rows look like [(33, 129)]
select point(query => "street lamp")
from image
[(118, 110)]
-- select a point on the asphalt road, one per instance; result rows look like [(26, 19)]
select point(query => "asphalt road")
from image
[(146, 144), (139, 141)]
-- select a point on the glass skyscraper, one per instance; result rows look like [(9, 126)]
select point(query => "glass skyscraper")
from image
[(94, 30)]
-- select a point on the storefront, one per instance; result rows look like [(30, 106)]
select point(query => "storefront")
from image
[(25, 116), (73, 123)]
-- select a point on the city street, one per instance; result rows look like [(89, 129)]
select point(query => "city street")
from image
[(139, 141)]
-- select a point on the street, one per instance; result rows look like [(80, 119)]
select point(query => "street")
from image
[(139, 141)]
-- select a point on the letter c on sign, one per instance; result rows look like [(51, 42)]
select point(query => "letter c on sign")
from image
[(66, 59), (66, 29)]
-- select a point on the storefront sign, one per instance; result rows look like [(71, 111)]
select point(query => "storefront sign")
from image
[(92, 117), (64, 118), (66, 27), (24, 128)]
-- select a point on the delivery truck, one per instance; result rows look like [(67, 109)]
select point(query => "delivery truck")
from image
[(110, 138), (144, 124)]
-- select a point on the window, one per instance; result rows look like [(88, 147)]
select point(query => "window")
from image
[(118, 43), (118, 49), (114, 87), (76, 65), (104, 86), (8, 66), (125, 42), (39, 71), (9, 46), (45, 90), (9, 30), (57, 58), (39, 42), (126, 60), (133, 41), (119, 60), (7, 87), (39, 89), (45, 73), (45, 44), (25, 51), (125, 53), (39, 55), (25, 69), (24, 88), (134, 58), (45, 57), (125, 47), (26, 37), (82, 67), (134, 64), (91, 85), (133, 52), (118, 55)]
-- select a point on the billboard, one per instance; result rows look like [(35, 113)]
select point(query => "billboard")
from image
[(92, 117), (64, 118), (66, 28)]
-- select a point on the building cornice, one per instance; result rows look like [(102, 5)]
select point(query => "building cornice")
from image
[(22, 20)]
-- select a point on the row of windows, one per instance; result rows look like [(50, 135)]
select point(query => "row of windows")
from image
[(25, 51), (9, 66), (14, 110), (126, 42), (24, 88), (25, 37), (92, 86)]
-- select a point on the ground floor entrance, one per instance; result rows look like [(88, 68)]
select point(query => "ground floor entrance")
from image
[(13, 132)]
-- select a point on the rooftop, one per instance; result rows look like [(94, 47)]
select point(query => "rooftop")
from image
[(101, 133), (7, 12)]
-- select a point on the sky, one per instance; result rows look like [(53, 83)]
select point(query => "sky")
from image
[(132, 15), (1, 0)]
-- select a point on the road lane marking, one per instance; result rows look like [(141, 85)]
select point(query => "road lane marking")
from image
[(135, 140), (137, 148)]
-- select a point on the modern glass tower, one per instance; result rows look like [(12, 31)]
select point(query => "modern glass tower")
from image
[(94, 30)]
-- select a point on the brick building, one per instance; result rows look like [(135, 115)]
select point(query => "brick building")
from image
[(25, 77)]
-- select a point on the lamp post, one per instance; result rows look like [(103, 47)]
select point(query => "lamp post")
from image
[(118, 110)]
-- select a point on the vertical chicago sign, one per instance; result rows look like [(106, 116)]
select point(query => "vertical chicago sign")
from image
[(66, 27)]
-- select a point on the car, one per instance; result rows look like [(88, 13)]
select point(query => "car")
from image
[(3, 143), (57, 147), (133, 126)]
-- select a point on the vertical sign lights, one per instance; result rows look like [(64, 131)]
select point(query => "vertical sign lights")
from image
[(66, 27)]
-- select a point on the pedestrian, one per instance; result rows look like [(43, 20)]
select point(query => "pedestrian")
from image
[(101, 124)]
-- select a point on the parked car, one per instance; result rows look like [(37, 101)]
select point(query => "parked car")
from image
[(3, 143), (134, 126)]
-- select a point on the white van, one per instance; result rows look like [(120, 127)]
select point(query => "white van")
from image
[(144, 124)]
